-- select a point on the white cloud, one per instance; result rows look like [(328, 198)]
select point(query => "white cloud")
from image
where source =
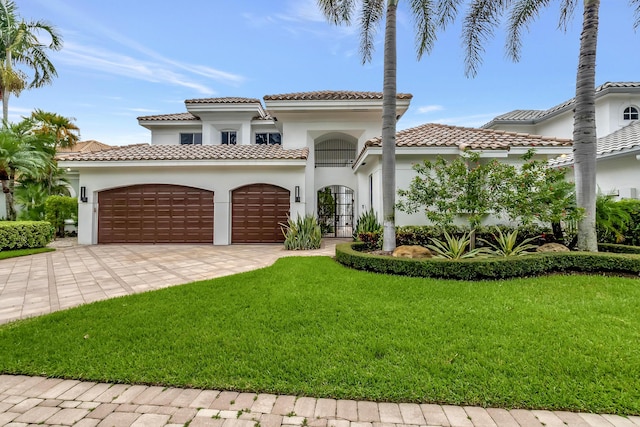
[(426, 109)]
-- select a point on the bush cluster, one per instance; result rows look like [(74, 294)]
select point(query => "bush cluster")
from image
[(422, 235), (619, 249), (349, 254), (25, 234)]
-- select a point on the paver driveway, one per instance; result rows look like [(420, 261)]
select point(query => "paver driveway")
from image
[(75, 275)]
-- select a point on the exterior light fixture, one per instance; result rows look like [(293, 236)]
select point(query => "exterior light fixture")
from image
[(297, 194), (83, 194)]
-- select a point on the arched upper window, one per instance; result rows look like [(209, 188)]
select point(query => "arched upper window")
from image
[(335, 152), (630, 113)]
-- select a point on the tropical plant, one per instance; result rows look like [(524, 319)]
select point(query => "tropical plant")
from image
[(58, 209), (507, 244), (454, 247), (371, 14), (302, 234), (20, 45), (64, 132), (18, 155), (31, 198), (326, 210), (367, 223), (481, 20), (612, 218)]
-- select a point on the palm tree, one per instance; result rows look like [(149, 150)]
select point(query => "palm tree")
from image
[(482, 18), (65, 133), (20, 45), (18, 155), (371, 13)]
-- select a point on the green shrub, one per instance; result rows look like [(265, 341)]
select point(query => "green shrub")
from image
[(454, 247), (59, 208), (506, 244), (367, 223), (25, 234), (301, 234), (632, 232), (619, 249), (489, 268)]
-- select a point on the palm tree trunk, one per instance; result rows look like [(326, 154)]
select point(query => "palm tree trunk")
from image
[(5, 107), (7, 189), (584, 131), (389, 130)]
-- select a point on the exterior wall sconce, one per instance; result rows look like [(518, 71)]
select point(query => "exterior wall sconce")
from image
[(83, 194), (297, 194)]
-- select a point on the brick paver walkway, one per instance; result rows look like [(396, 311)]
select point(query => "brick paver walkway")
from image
[(26, 401)]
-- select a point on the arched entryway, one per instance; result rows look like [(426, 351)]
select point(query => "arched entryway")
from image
[(335, 211)]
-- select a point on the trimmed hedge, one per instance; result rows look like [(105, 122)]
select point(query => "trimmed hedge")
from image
[(619, 249), (489, 268), (25, 234)]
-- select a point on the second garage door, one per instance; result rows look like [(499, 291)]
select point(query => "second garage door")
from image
[(257, 211), (155, 213)]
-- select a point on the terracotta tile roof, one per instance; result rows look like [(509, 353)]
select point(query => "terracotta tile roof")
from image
[(85, 147), (539, 115), (192, 152), (225, 100), (438, 135), (170, 117), (330, 95), (624, 139)]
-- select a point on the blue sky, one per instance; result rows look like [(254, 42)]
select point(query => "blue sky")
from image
[(126, 58)]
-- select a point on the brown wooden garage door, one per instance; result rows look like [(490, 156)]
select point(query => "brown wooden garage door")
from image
[(257, 211), (155, 213)]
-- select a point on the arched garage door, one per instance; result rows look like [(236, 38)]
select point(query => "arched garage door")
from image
[(155, 213), (257, 211)]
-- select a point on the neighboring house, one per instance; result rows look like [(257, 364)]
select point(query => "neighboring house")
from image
[(618, 129), (230, 170), (89, 146)]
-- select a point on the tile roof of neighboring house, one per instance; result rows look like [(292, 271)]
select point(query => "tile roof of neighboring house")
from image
[(171, 117), (439, 135), (534, 116), (85, 147), (224, 100), (624, 139), (330, 95), (191, 152)]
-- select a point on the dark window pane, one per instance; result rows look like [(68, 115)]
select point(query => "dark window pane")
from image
[(261, 138), (275, 139), (187, 138), (232, 138), (197, 138)]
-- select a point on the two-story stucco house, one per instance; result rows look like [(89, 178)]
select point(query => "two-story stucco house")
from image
[(618, 129), (230, 170)]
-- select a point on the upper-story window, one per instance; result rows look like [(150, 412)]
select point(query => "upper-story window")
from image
[(229, 137), (268, 138), (191, 138), (630, 113)]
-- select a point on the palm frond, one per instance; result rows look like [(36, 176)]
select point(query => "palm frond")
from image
[(370, 16), (337, 11), (447, 11), (636, 12), (567, 8), (523, 12), (479, 24), (425, 25)]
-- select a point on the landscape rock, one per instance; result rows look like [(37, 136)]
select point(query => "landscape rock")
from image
[(552, 247), (409, 251)]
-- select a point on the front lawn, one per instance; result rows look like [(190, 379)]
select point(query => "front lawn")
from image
[(309, 326), (23, 252)]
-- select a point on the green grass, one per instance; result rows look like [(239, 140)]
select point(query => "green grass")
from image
[(309, 326), (23, 252)]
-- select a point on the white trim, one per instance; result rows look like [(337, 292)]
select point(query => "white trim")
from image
[(176, 163)]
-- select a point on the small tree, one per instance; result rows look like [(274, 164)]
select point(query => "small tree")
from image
[(59, 208)]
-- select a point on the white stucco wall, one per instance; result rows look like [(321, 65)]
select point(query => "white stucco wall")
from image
[(619, 175), (222, 180)]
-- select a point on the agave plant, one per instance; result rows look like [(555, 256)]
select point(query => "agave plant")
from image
[(302, 233), (507, 244), (454, 248), (367, 223)]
